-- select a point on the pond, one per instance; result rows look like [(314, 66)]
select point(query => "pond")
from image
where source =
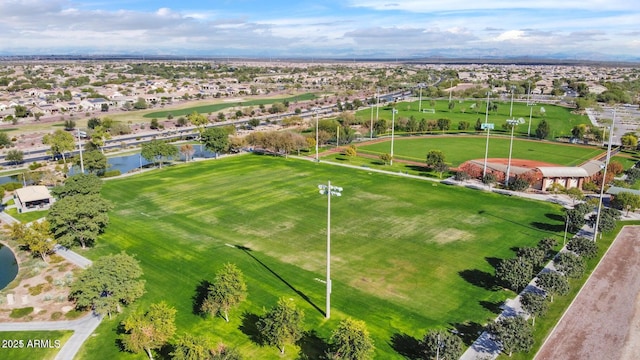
[(8, 266), (124, 163)]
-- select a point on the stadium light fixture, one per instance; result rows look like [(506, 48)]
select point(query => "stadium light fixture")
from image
[(329, 190)]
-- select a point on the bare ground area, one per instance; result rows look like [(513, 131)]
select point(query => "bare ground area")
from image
[(603, 322), (41, 286)]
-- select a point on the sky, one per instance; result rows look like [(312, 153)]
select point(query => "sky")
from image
[(571, 29)]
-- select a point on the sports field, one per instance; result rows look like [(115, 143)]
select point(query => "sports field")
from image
[(561, 119), (458, 149), (205, 109), (407, 255)]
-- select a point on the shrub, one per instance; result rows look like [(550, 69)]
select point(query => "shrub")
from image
[(36, 290), (519, 184), (20, 312), (56, 315), (12, 186), (73, 314), (111, 173)]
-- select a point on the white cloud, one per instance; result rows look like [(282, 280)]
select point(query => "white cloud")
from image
[(510, 35), (429, 6)]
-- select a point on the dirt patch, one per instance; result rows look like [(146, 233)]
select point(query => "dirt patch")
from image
[(604, 319), (451, 235)]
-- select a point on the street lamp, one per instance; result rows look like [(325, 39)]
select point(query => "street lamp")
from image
[(335, 191), (513, 88), (80, 150), (604, 177), (317, 158), (420, 99), (371, 127), (488, 127), (513, 123), (393, 125)]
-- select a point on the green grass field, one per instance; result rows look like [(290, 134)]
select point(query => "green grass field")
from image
[(205, 109), (561, 120), (458, 149), (32, 344), (407, 255)]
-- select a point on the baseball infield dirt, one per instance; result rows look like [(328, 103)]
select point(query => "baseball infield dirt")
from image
[(604, 320)]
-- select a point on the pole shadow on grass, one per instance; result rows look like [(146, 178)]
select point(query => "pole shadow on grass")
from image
[(406, 345), (537, 226), (300, 293)]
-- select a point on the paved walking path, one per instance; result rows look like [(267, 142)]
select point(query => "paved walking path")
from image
[(82, 328)]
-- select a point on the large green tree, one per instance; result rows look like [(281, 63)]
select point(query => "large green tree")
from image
[(435, 157), (215, 139), (79, 219), (94, 161), (156, 151), (584, 247), (78, 184), (227, 291), (608, 219), (282, 324), (535, 304), (513, 333), (623, 201), (60, 141), (571, 265), (150, 330), (14, 156), (442, 345), (36, 238), (515, 273), (110, 281), (351, 341), (543, 129), (553, 283)]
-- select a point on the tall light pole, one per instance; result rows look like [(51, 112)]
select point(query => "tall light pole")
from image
[(393, 125), (530, 113), (371, 126), (420, 99), (488, 127), (317, 158), (80, 150), (513, 123), (511, 108), (604, 177), (335, 191)]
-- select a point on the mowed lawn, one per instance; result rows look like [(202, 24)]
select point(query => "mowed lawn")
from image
[(458, 149), (561, 119), (407, 255)]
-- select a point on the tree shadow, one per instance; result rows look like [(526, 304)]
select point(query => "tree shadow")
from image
[(480, 278), (494, 307), (198, 298), (119, 330), (300, 293), (494, 262), (468, 331), (406, 345), (422, 170), (555, 217), (552, 228), (249, 327), (312, 346)]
